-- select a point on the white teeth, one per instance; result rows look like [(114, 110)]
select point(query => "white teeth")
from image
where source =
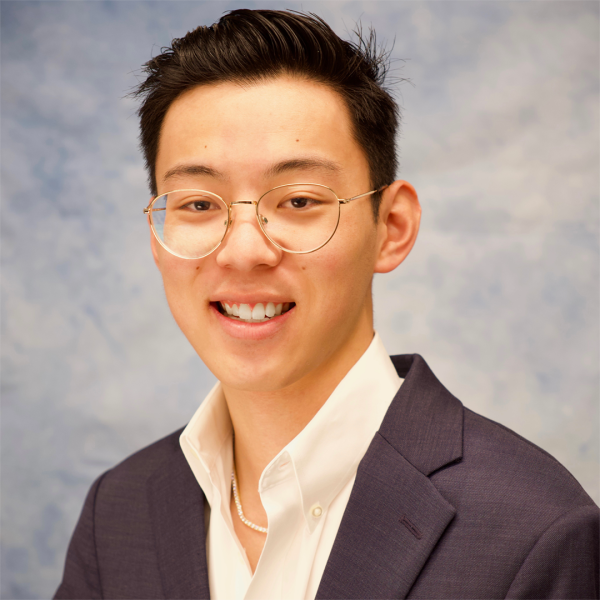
[(258, 312), (245, 312)]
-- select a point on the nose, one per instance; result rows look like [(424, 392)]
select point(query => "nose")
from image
[(245, 246)]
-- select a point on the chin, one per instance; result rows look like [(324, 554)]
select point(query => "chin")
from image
[(254, 374)]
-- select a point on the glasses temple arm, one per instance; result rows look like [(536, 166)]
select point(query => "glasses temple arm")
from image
[(346, 200)]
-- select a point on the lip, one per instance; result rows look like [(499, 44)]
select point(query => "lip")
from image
[(251, 331), (250, 299)]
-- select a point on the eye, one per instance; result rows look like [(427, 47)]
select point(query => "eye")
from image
[(299, 202), (200, 205)]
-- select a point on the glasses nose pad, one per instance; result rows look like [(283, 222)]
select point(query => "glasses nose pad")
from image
[(263, 219)]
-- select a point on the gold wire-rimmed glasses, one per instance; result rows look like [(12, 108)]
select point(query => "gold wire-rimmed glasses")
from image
[(298, 218)]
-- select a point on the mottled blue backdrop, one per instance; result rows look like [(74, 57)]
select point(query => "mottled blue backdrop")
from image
[(500, 138)]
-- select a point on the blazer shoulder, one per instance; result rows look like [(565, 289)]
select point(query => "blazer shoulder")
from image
[(135, 517), (519, 465), (139, 466), (522, 522)]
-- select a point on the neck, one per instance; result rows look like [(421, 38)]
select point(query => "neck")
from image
[(264, 422)]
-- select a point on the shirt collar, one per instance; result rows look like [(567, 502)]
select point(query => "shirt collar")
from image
[(206, 443), (325, 454)]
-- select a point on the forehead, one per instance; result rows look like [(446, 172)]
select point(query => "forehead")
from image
[(240, 130)]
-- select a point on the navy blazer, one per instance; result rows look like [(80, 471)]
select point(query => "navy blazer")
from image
[(446, 504)]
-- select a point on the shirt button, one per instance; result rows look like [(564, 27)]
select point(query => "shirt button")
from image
[(316, 511)]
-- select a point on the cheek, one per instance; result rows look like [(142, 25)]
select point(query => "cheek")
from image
[(341, 275), (180, 283)]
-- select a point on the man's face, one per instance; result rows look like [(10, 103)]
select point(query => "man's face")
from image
[(239, 141)]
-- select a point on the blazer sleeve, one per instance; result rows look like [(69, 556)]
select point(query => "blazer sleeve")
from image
[(81, 578), (564, 562)]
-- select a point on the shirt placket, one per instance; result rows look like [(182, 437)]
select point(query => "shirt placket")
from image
[(282, 500)]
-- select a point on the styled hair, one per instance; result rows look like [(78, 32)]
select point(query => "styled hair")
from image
[(251, 46)]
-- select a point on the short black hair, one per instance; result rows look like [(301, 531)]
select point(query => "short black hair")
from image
[(254, 45)]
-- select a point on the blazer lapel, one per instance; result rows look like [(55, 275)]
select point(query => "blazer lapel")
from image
[(395, 515), (177, 507)]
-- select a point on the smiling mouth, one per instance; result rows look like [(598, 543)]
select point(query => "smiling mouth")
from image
[(253, 313)]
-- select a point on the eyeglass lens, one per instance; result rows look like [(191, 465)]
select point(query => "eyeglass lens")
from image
[(298, 217)]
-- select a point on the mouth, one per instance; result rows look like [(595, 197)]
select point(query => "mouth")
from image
[(260, 312)]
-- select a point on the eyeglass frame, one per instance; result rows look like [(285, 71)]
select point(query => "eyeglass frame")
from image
[(256, 203)]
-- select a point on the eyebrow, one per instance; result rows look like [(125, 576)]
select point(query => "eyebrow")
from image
[(193, 170), (304, 164), (294, 164)]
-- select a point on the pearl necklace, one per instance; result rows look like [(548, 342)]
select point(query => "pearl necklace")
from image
[(240, 512)]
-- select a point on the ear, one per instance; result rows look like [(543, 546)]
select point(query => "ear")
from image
[(399, 219)]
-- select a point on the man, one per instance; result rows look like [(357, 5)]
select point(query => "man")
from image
[(317, 467)]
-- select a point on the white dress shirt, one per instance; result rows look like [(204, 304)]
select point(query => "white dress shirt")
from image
[(304, 489)]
